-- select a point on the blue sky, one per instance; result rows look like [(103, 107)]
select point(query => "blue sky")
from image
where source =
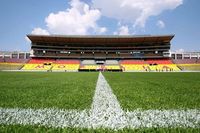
[(100, 17)]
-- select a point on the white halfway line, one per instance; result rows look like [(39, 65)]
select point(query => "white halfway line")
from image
[(105, 112)]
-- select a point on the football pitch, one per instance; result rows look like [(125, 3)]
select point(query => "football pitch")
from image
[(156, 90), (83, 94), (47, 90)]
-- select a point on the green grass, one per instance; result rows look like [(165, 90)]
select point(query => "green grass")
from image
[(36, 129), (47, 90), (156, 90), (76, 90)]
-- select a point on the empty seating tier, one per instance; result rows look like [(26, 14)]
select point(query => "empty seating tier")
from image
[(2, 60), (14, 60), (10, 66), (111, 62), (188, 64), (129, 67), (149, 65), (88, 62), (67, 61), (66, 67), (145, 67), (186, 61), (41, 61), (189, 67), (160, 61), (90, 67), (132, 62), (36, 67), (159, 68), (54, 65), (100, 67), (12, 63), (112, 67)]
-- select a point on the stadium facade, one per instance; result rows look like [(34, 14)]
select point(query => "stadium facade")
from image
[(100, 47)]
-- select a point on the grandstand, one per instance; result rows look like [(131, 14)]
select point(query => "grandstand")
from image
[(13, 60), (100, 53), (187, 61)]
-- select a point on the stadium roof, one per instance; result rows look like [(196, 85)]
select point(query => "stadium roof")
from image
[(100, 39)]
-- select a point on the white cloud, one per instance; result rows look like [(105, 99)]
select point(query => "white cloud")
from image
[(180, 50), (39, 31), (101, 30), (160, 24), (79, 19), (123, 30), (135, 11), (27, 39)]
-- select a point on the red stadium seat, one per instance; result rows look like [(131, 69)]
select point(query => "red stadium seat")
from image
[(67, 62), (132, 62), (159, 61), (41, 61)]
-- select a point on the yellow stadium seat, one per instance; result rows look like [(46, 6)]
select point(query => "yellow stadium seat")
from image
[(67, 67), (189, 67), (90, 67), (11, 66), (130, 67), (165, 67), (36, 67), (112, 67), (146, 67)]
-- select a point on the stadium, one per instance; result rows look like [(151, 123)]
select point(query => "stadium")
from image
[(100, 84), (101, 53)]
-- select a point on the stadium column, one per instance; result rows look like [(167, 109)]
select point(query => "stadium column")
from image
[(17, 55), (24, 55)]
